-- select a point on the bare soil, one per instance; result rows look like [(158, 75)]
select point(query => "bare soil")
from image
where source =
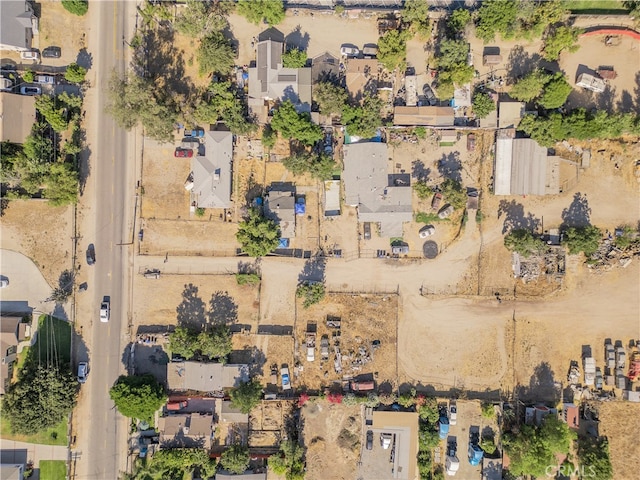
[(616, 423), (267, 423), (364, 318), (332, 436), (42, 233)]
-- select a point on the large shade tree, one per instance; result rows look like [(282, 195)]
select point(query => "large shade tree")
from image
[(258, 235), (138, 396)]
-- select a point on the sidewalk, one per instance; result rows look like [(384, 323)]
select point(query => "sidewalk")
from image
[(21, 452)]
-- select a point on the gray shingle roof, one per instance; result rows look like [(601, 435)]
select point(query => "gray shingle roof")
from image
[(212, 171)]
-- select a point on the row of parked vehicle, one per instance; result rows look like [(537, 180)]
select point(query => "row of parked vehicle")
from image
[(34, 54), (190, 141)]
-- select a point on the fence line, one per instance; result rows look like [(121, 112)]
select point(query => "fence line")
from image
[(368, 290)]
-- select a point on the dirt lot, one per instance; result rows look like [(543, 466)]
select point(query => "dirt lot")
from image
[(267, 423), (364, 318), (616, 423), (332, 437), (41, 232)]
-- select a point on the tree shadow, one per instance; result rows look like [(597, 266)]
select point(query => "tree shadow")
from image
[(542, 386), (515, 218), (84, 59), (84, 163), (419, 171), (251, 356), (191, 311), (249, 268), (606, 100), (297, 39), (314, 270), (520, 63), (223, 310), (578, 214), (253, 190), (636, 92), (450, 166)]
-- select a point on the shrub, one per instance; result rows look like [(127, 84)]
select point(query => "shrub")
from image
[(28, 76), (76, 7), (200, 212), (312, 293), (422, 189), (488, 410), (334, 398), (247, 278), (302, 399), (75, 73), (423, 217)]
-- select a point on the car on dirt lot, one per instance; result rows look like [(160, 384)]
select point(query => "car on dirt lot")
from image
[(427, 91), (286, 381), (183, 153), (349, 51), (453, 414), (105, 310), (91, 254), (427, 231), (445, 212), (52, 52), (30, 55), (195, 133), (369, 439), (471, 142), (436, 201)]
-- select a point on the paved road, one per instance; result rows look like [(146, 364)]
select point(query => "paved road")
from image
[(101, 433)]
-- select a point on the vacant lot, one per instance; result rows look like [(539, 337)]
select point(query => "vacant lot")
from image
[(332, 436), (364, 318), (622, 433), (267, 423)]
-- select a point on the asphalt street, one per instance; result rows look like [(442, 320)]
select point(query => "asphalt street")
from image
[(101, 432)]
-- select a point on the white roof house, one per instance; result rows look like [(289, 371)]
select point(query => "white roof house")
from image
[(369, 187), (212, 171), (18, 23)]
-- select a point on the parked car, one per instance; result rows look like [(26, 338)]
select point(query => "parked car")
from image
[(369, 439), (30, 55), (4, 282), (370, 51), (349, 51), (46, 79), (367, 230), (105, 310), (52, 52), (183, 153), (427, 91), (328, 142), (427, 231), (196, 133), (385, 440), (599, 379), (445, 211), (453, 414), (610, 356), (30, 90), (471, 142), (91, 254), (436, 201), (83, 371), (6, 84), (286, 381)]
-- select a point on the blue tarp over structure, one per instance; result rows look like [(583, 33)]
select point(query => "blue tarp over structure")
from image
[(284, 243), (301, 208)]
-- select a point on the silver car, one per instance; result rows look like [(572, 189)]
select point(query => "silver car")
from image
[(83, 371)]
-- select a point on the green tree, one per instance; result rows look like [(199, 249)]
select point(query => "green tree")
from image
[(235, 459), (76, 7), (363, 121), (46, 105), (452, 62), (330, 98), (75, 73), (199, 18), (496, 16), (184, 342), (176, 463), (416, 13), (221, 104), (215, 342), (583, 239), (134, 100), (628, 237), (40, 399), (559, 39), (458, 20), (453, 193), (269, 137), (61, 184), (28, 76), (422, 189), (295, 126), (531, 86), (392, 49), (318, 166), (556, 92), (523, 242), (271, 11), (427, 436), (311, 293), (483, 105), (215, 54), (594, 454), (294, 58), (246, 396), (258, 235), (289, 461), (138, 396), (428, 410)]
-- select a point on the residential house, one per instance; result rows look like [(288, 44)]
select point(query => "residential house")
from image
[(423, 116), (522, 167), (361, 77), (11, 471), (228, 414), (324, 68), (510, 114), (378, 196), (536, 415), (270, 82), (205, 377), (193, 430), (18, 23), (12, 332), (279, 206), (17, 116), (212, 171)]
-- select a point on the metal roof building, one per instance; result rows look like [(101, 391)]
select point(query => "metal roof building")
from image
[(425, 116), (204, 377)]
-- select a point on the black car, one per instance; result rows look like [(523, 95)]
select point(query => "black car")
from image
[(369, 439), (429, 95), (52, 52), (91, 254)]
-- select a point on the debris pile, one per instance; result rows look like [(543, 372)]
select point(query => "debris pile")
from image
[(608, 256)]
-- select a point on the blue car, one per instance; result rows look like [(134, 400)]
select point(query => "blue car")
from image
[(195, 133)]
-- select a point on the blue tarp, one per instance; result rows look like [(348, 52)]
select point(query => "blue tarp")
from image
[(284, 243), (301, 208)]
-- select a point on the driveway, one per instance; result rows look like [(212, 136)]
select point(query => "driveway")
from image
[(26, 284), (12, 452)]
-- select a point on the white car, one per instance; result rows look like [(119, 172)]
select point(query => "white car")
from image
[(46, 79), (427, 231), (4, 283), (30, 55), (453, 415), (104, 311), (347, 51)]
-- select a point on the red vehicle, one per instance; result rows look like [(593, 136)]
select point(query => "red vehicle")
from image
[(183, 153), (436, 201), (471, 142)]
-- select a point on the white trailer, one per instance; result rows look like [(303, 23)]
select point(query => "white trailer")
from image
[(591, 82), (589, 371)]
